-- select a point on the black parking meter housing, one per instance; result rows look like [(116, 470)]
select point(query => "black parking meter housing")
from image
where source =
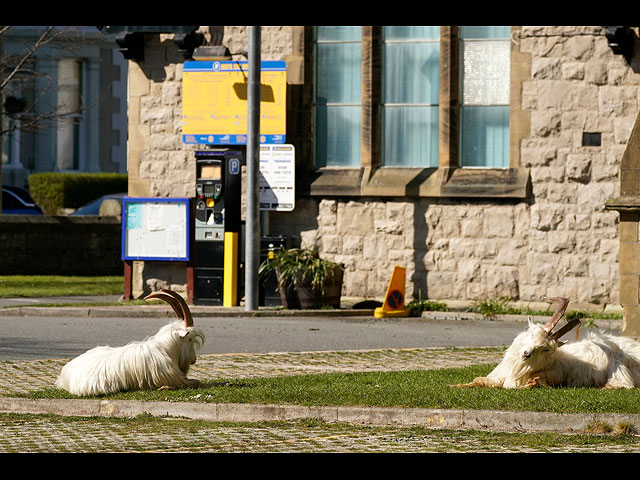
[(218, 223)]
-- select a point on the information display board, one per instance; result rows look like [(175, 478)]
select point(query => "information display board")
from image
[(215, 106), (277, 177), (155, 229)]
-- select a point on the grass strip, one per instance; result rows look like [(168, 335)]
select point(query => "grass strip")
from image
[(416, 388), (58, 285)]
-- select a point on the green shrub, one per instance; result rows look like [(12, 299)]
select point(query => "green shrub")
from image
[(419, 306), (54, 191), (492, 308)]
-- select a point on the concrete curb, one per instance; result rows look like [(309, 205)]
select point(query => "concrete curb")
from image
[(159, 311), (605, 323), (525, 422)]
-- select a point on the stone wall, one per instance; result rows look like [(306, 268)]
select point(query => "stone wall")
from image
[(160, 165), (52, 245), (560, 241)]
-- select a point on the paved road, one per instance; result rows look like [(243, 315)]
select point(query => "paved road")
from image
[(29, 338), (42, 332)]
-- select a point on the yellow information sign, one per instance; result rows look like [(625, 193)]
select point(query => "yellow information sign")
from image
[(215, 107)]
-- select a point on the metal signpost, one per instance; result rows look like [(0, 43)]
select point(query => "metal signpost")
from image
[(252, 241)]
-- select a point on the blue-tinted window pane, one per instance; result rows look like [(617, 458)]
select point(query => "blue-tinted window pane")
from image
[(334, 33), (337, 136), (410, 95), (338, 73), (337, 111), (411, 73), (411, 136), (405, 32), (484, 113), (485, 32), (484, 133)]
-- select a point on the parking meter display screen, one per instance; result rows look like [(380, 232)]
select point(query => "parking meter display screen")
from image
[(211, 171)]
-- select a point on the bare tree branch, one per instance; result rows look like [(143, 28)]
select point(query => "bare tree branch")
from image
[(44, 38)]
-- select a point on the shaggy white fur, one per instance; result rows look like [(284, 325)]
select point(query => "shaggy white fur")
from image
[(160, 361), (537, 358)]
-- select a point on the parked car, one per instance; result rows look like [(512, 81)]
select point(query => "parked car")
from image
[(93, 207), (17, 201)]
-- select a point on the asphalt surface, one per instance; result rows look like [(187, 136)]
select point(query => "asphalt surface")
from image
[(327, 352), (32, 337)]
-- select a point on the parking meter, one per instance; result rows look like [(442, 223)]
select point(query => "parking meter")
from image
[(217, 226)]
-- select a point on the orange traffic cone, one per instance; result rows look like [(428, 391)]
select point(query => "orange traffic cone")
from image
[(393, 305)]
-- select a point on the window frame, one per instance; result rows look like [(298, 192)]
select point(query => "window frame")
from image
[(448, 179), (466, 107), (427, 157), (329, 106)]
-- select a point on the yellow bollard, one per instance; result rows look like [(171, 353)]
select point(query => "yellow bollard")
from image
[(230, 280), (393, 305)]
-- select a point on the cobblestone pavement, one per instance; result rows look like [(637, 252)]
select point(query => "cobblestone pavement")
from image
[(45, 434), (24, 376), (52, 433)]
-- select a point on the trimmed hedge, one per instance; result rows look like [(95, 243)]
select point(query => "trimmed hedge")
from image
[(54, 191)]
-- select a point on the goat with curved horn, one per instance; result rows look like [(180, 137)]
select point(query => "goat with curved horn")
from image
[(177, 303), (537, 358), (160, 361), (563, 303)]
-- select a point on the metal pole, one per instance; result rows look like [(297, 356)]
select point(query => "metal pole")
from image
[(252, 243)]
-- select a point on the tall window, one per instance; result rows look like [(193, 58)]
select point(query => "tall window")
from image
[(337, 99), (410, 95), (402, 94), (69, 111), (484, 111)]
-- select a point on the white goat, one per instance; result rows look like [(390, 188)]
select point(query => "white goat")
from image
[(160, 361), (537, 358)]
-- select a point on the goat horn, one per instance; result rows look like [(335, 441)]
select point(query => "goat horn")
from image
[(169, 299), (557, 315), (570, 325), (176, 301), (186, 313)]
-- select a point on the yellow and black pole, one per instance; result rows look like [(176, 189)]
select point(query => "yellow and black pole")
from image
[(233, 185)]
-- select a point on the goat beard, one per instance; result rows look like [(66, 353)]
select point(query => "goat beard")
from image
[(522, 371)]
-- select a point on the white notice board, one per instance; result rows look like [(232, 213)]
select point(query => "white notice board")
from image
[(155, 229), (277, 177)]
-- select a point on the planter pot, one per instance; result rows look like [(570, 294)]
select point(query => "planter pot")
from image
[(292, 264), (289, 298), (311, 298)]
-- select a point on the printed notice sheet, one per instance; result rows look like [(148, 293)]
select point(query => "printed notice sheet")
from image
[(155, 229)]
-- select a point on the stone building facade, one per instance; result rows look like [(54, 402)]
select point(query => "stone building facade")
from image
[(68, 103), (536, 228)]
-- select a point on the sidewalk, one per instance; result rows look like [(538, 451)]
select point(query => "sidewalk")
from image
[(26, 376), (33, 375)]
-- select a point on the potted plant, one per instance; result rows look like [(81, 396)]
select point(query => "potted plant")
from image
[(304, 279)]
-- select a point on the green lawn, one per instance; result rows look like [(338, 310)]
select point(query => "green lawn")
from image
[(54, 285), (424, 389)]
